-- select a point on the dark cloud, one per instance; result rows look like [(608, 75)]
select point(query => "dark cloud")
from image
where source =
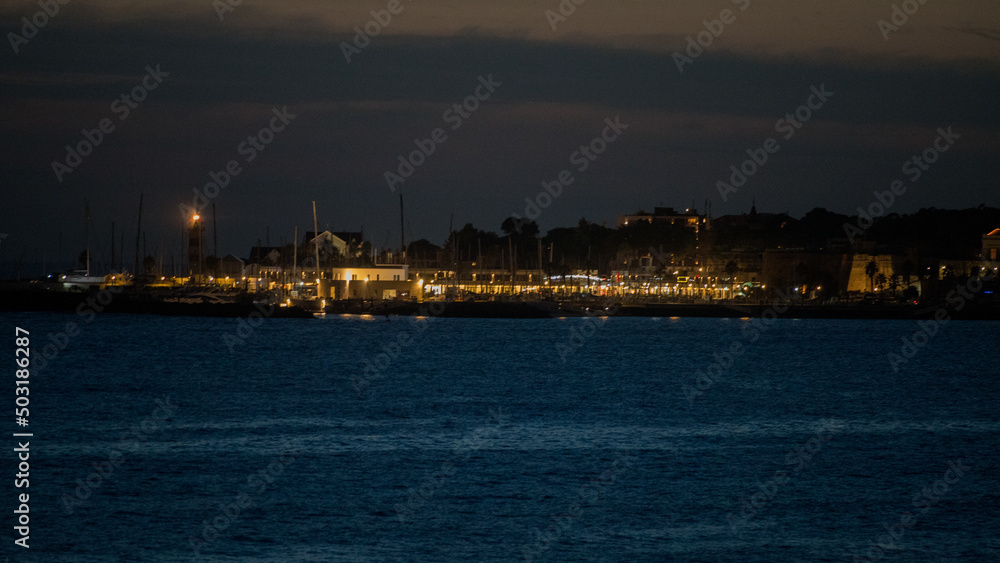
[(353, 120)]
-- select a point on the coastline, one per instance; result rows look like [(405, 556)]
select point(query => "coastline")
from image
[(28, 300)]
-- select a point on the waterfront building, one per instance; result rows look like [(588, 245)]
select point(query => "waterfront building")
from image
[(991, 246), (689, 218), (347, 243)]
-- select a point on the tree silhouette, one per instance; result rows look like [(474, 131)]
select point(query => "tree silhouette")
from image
[(894, 283), (881, 280), (731, 268), (947, 273), (908, 267), (520, 228), (870, 270)]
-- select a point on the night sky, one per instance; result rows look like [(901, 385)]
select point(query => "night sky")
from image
[(222, 78)]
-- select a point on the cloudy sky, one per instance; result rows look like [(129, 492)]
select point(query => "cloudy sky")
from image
[(225, 70)]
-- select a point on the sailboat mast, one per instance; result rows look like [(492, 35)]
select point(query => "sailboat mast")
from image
[(86, 221), (451, 233), (402, 229), (215, 241), (138, 232), (316, 240), (510, 248)]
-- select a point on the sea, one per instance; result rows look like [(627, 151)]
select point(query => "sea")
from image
[(367, 438)]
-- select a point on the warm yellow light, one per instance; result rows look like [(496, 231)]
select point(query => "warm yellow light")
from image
[(196, 217)]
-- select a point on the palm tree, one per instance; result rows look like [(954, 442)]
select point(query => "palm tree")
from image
[(881, 280), (894, 283), (870, 270)]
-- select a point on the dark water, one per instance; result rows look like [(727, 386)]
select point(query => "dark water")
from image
[(542, 440)]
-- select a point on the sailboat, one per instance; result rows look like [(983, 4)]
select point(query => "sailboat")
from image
[(81, 280)]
